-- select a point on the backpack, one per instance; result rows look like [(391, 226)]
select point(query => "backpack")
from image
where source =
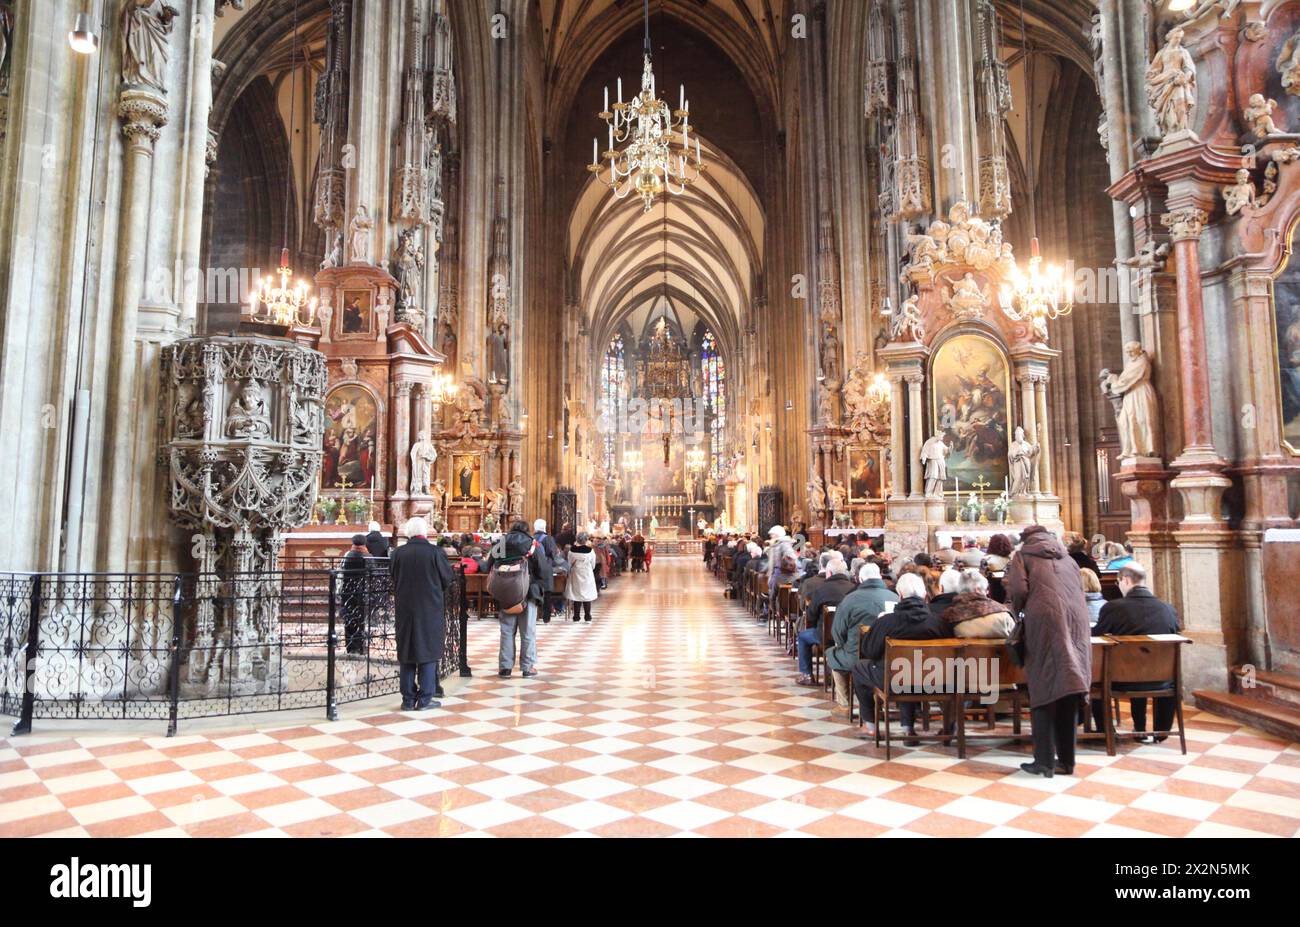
[(508, 582)]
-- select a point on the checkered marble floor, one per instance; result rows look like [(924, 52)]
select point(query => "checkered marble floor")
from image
[(672, 714)]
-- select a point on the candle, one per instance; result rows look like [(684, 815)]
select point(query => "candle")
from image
[(620, 90), (595, 152), (681, 100), (606, 109)]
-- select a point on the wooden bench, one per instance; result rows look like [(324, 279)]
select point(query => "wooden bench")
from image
[(1114, 659)]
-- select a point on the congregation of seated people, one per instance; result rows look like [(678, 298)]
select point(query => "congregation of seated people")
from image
[(960, 591)]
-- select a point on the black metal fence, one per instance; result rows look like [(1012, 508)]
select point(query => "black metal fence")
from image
[(175, 646)]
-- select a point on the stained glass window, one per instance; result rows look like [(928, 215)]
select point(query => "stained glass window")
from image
[(613, 381), (715, 396)]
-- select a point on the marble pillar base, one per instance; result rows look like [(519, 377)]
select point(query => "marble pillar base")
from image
[(905, 510), (419, 505), (1212, 613)]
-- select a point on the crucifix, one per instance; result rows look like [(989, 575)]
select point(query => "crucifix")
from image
[(982, 485)]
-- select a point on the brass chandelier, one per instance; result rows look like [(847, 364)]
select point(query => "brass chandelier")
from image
[(653, 162), (287, 305), (1045, 292)]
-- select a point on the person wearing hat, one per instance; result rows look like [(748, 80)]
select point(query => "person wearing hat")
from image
[(376, 543), (353, 589)]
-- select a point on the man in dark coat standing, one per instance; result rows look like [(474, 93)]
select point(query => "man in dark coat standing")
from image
[(353, 593), (1043, 584), (1139, 612), (420, 576), (376, 543)]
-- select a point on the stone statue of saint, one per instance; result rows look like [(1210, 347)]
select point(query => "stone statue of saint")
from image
[(359, 230), (500, 503), (907, 322), (934, 454), (817, 497), (688, 481), (410, 272), (830, 356), (146, 32), (499, 354), (1171, 84), (710, 489), (334, 257), (1022, 458), (1139, 413), (247, 416), (516, 488), (836, 498), (423, 457)]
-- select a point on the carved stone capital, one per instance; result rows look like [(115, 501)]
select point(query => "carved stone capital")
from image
[(143, 114), (1185, 224)]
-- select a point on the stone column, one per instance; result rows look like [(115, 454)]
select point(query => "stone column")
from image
[(898, 452), (143, 114), (1185, 226), (914, 414), (1044, 477), (400, 396)]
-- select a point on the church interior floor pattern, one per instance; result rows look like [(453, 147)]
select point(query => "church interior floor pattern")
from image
[(673, 713)]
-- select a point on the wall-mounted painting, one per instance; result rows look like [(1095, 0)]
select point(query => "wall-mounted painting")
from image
[(467, 478), (866, 474), (1286, 297), (970, 387), (357, 318), (351, 426)]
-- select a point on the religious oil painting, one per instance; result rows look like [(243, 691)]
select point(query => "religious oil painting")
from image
[(1287, 297), (351, 425), (866, 481), (970, 392), (467, 478), (358, 314)]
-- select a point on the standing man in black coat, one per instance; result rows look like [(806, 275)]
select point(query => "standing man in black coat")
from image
[(376, 543), (1139, 612), (420, 576), (353, 595)]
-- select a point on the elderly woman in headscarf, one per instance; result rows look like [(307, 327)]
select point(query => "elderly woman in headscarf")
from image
[(973, 614), (1043, 585)]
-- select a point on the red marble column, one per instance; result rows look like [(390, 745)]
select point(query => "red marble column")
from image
[(1185, 227)]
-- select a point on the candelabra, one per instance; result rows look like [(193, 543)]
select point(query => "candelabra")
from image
[(651, 164)]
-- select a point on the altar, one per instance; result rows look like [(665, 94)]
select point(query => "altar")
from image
[(969, 373)]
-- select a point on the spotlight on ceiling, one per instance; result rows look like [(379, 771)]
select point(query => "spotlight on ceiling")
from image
[(82, 38)]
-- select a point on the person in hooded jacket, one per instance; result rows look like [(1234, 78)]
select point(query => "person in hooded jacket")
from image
[(911, 620), (580, 589), (1043, 585)]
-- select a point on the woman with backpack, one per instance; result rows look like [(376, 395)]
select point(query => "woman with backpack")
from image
[(580, 589)]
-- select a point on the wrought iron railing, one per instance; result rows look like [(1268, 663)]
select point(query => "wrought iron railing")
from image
[(175, 646)]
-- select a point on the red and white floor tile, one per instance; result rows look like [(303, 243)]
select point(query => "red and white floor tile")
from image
[(672, 714)]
